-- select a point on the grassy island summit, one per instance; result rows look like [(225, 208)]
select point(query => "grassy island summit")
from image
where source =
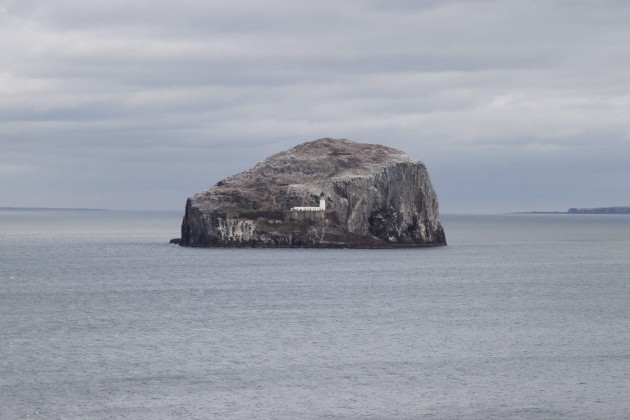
[(327, 193)]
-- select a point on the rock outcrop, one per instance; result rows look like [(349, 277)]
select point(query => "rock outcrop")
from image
[(375, 196)]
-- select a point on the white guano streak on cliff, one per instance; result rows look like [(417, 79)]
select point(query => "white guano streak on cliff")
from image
[(235, 229)]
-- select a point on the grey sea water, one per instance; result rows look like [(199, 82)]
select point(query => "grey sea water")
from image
[(521, 316)]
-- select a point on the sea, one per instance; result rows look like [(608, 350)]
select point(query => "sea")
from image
[(519, 317)]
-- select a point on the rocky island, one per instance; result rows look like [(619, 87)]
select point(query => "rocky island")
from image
[(327, 193)]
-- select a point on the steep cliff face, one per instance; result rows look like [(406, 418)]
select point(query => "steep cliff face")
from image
[(376, 197)]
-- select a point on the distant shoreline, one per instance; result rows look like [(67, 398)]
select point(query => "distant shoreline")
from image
[(538, 212), (595, 210), (48, 209), (83, 209)]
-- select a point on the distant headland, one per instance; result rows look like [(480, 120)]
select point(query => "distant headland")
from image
[(594, 210)]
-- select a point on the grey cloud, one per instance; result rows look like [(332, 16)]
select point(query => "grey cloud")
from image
[(207, 88)]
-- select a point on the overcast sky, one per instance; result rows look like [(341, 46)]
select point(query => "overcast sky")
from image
[(138, 104)]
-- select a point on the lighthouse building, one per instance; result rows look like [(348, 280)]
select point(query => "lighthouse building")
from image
[(322, 205)]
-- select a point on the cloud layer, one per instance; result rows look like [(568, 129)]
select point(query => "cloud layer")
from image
[(513, 105)]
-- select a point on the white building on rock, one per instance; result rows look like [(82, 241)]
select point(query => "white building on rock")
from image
[(322, 205)]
